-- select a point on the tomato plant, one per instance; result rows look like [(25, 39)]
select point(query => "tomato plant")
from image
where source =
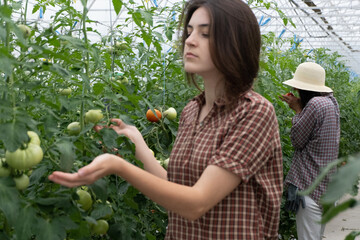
[(118, 76)]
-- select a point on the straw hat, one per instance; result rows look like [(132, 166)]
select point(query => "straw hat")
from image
[(309, 76)]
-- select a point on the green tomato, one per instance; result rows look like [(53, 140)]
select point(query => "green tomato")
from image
[(166, 163), (124, 80), (22, 182), (93, 116), (28, 157), (65, 91), (84, 199), (73, 128), (34, 138), (26, 31), (170, 113), (101, 227), (4, 171), (121, 45)]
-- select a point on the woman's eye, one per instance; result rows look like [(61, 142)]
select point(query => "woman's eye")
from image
[(205, 35)]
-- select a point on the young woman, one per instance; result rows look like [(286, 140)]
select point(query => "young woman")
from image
[(224, 179), (315, 136)]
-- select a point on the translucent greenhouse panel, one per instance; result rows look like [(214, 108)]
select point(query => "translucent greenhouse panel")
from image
[(331, 24)]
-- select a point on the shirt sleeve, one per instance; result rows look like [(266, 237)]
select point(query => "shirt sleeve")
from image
[(303, 126), (247, 145)]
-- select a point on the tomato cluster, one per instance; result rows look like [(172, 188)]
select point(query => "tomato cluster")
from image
[(24, 158), (170, 114), (86, 203)]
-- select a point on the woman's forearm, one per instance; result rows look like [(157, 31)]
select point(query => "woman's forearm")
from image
[(144, 154), (190, 202), (174, 197)]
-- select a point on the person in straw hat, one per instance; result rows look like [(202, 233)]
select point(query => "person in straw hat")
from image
[(315, 136)]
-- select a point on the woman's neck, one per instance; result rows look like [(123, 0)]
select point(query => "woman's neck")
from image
[(214, 89)]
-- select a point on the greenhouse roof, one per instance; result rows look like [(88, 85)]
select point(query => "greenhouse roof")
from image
[(331, 24)]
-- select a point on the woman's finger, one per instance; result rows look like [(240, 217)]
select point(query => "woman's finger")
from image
[(117, 121), (66, 179)]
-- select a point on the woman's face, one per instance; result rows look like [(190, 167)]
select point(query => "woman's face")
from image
[(197, 57)]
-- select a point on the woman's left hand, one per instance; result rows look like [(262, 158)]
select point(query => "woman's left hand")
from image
[(101, 166)]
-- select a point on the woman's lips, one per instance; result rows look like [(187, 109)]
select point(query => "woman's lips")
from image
[(190, 55)]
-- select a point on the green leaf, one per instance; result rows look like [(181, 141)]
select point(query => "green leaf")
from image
[(5, 61), (137, 18), (352, 235), (13, 135), (147, 16), (9, 203), (343, 180), (146, 37), (35, 8), (100, 189), (333, 211), (100, 211), (117, 5), (54, 229), (109, 138), (51, 200), (28, 221), (321, 176), (67, 154)]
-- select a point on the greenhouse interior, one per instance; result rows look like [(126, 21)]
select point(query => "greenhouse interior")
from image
[(71, 69)]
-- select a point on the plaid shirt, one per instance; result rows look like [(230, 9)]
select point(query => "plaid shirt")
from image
[(315, 135), (245, 141)]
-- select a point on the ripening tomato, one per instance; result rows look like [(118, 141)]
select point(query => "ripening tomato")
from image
[(25, 158), (100, 228), (22, 182), (151, 116)]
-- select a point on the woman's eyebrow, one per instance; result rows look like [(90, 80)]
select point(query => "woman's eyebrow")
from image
[(204, 25)]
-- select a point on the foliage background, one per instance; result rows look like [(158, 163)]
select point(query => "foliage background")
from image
[(34, 69)]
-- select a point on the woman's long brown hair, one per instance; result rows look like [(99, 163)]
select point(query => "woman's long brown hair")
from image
[(235, 42)]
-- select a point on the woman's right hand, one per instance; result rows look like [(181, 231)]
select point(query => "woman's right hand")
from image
[(122, 128), (142, 151), (101, 166), (293, 102)]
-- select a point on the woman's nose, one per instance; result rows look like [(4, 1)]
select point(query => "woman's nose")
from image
[(191, 40)]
